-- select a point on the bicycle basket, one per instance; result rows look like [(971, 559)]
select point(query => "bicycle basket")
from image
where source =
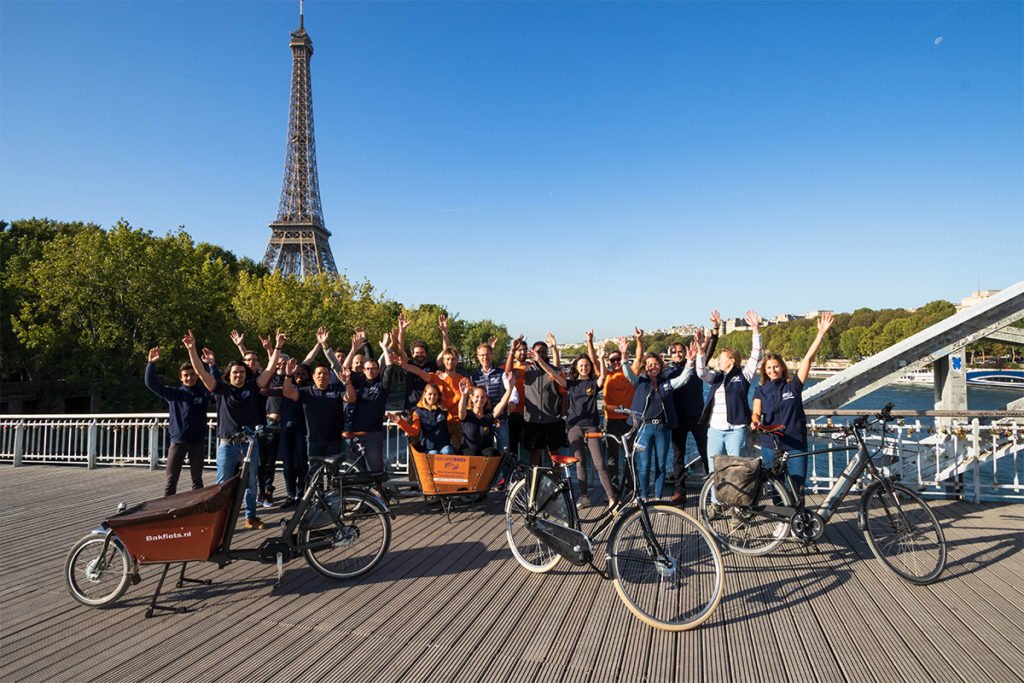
[(737, 480)]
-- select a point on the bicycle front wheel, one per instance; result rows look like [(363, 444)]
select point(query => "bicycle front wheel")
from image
[(747, 530), (354, 541), (903, 532), (95, 578), (670, 574), (532, 553)]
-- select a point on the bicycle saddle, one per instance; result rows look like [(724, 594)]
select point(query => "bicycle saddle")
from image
[(352, 435), (771, 429), (564, 459)]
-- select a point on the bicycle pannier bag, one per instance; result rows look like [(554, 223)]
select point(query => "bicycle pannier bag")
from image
[(737, 480)]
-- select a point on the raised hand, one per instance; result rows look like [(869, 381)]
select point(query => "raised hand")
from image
[(321, 337), (752, 320), (208, 357), (385, 341), (492, 340), (189, 340), (394, 358), (693, 350), (699, 337), (623, 344), (403, 322), (824, 322), (237, 338), (531, 354), (716, 318), (267, 343), (281, 338), (639, 333), (589, 335), (550, 339), (346, 374), (291, 366), (518, 341), (154, 355), (359, 338), (442, 323), (464, 386), (601, 352)]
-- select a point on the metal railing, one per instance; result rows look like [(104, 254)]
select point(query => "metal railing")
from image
[(976, 455), (124, 439)]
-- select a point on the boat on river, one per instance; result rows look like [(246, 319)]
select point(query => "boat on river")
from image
[(998, 379)]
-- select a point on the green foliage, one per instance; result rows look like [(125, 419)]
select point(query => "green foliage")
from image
[(85, 304)]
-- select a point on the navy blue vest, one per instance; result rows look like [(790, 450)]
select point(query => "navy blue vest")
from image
[(737, 410), (664, 390), (433, 428)]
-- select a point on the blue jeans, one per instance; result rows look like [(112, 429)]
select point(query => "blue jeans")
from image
[(725, 442), (228, 456), (445, 450), (653, 451), (501, 438)]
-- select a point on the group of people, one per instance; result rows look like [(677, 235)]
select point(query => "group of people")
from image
[(318, 409)]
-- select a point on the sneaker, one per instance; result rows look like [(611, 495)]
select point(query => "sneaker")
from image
[(714, 511), (585, 500), (288, 502), (254, 523), (265, 502)]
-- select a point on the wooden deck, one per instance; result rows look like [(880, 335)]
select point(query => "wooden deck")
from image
[(448, 603)]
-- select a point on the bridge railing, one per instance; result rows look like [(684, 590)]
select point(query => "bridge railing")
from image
[(979, 456), (125, 439)]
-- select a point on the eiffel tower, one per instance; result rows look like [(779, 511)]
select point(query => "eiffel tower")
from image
[(298, 239)]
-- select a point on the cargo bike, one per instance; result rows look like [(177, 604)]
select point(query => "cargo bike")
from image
[(340, 526), (447, 478)]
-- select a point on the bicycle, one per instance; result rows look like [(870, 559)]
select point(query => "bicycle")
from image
[(339, 526), (665, 566), (897, 524)]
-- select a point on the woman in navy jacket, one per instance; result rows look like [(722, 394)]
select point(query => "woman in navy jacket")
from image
[(779, 400)]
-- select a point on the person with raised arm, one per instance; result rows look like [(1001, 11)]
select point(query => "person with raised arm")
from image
[(372, 387), (516, 364), (478, 418), (428, 425), (322, 401), (187, 419), (618, 393), (778, 399), (727, 410), (653, 400), (689, 402), (420, 357), (238, 405), (582, 386), (447, 380), (544, 429)]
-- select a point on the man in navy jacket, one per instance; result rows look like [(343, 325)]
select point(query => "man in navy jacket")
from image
[(187, 425)]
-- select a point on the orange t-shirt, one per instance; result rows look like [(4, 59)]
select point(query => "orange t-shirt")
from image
[(618, 393), (450, 393)]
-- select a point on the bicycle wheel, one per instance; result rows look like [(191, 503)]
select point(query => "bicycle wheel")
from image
[(93, 580), (903, 532), (355, 539), (675, 588), (747, 531), (529, 550)]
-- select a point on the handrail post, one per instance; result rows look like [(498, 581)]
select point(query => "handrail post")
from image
[(976, 442), (19, 443), (90, 454), (154, 454)]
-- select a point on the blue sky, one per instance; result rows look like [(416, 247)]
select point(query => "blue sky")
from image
[(550, 165)]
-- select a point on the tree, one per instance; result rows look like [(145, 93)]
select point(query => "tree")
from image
[(849, 343)]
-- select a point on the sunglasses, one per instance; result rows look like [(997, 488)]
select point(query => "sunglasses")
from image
[(614, 360)]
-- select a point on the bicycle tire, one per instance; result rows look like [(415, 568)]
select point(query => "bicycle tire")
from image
[(355, 541), (675, 593), (532, 553), (903, 532), (92, 587), (745, 531)]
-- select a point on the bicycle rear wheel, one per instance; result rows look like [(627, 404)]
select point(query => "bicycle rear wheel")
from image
[(903, 532), (529, 550), (670, 576), (747, 531), (94, 580), (355, 540)]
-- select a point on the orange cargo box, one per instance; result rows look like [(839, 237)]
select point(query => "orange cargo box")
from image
[(442, 475), (181, 528)]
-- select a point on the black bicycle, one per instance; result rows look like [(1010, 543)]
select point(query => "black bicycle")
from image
[(897, 524), (665, 566)]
